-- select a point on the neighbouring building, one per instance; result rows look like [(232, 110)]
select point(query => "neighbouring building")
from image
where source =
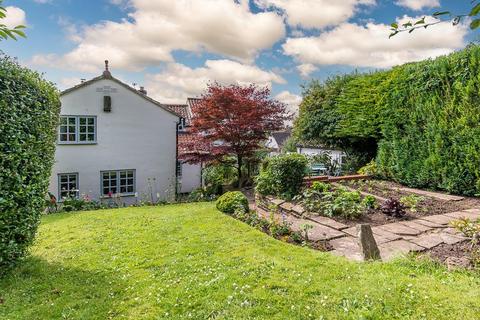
[(336, 157), (115, 141), (189, 175), (277, 140)]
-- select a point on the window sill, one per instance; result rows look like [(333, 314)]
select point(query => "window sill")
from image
[(121, 195), (76, 143)]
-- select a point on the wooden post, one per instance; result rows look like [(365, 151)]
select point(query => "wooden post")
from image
[(367, 243)]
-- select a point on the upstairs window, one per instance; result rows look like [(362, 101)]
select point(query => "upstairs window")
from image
[(77, 129), (118, 182)]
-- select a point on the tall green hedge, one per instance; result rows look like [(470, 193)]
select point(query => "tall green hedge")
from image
[(29, 111), (422, 120)]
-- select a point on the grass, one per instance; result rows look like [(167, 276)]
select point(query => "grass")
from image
[(191, 262)]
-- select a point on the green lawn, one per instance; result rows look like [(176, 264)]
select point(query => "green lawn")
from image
[(189, 261)]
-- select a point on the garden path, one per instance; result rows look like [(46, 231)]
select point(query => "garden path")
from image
[(393, 239)]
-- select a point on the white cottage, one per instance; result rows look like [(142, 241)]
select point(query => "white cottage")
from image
[(113, 140)]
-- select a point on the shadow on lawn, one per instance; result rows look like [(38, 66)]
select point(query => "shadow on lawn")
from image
[(37, 289)]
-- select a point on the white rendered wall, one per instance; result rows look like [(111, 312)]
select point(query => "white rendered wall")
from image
[(136, 134), (335, 155), (191, 177)]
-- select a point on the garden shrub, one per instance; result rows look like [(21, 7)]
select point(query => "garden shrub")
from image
[(393, 208), (282, 175), (419, 120), (369, 202), (29, 115), (231, 201), (320, 186)]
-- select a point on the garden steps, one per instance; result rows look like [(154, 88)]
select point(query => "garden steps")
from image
[(431, 194), (393, 239)]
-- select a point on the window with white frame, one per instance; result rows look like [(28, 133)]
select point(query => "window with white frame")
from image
[(77, 129), (118, 182), (68, 185)]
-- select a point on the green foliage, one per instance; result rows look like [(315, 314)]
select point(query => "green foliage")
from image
[(216, 176), (369, 202), (140, 263), (411, 201), (29, 111), (331, 203), (320, 186), (231, 201), (9, 33), (343, 203), (423, 117), (282, 175), (369, 169)]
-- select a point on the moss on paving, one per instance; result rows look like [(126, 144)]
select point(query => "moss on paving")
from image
[(191, 262)]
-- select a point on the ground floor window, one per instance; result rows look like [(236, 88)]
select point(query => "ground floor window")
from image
[(68, 185), (118, 181)]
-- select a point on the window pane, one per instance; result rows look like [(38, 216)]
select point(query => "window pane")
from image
[(82, 120), (63, 120), (71, 129), (91, 129), (91, 137), (83, 129), (71, 137), (130, 189), (114, 189), (130, 181), (71, 120), (63, 129), (91, 121), (105, 191), (123, 189)]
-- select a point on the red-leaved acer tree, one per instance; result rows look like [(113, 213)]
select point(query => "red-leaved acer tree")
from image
[(232, 121)]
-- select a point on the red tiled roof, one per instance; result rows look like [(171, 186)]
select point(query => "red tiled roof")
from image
[(181, 110)]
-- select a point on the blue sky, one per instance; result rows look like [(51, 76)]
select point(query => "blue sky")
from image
[(175, 47)]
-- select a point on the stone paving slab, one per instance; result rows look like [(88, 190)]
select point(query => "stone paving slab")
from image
[(400, 229), (347, 247), (277, 202), (298, 209), (352, 231), (396, 248), (428, 241), (463, 214), (449, 238), (328, 222), (417, 226), (287, 206), (385, 234), (318, 232), (436, 195), (429, 223), (439, 219)]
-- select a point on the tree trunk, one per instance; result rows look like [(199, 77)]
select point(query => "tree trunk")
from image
[(240, 176)]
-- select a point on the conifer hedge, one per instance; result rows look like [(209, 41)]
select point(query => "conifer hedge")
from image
[(420, 120), (29, 111)]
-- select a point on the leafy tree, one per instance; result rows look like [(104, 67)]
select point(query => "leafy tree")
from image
[(233, 121), (5, 32), (440, 16)]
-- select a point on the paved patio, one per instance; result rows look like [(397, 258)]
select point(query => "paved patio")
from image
[(394, 239)]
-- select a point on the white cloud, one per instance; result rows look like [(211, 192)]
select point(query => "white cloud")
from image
[(177, 81), (15, 16), (418, 4), (316, 14), (291, 100), (306, 69), (42, 1), (369, 46), (156, 28)]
